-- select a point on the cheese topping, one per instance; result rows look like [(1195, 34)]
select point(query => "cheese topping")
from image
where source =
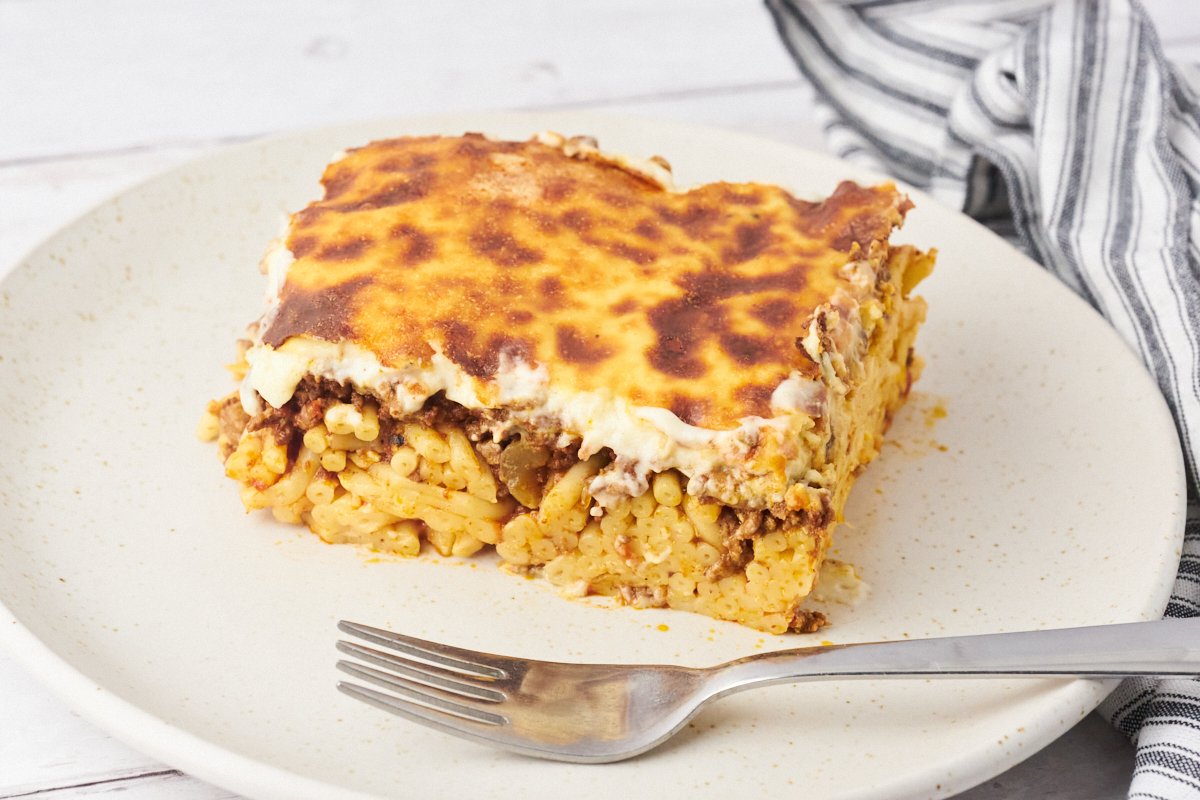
[(579, 291)]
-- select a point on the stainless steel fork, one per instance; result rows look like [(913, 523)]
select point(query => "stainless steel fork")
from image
[(594, 713)]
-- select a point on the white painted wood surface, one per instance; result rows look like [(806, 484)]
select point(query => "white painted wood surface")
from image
[(97, 96)]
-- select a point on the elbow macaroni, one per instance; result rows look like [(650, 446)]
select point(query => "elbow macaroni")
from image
[(657, 549)]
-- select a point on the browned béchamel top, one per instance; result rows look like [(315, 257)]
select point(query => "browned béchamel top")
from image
[(691, 301)]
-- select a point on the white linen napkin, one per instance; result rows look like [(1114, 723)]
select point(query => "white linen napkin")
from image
[(1060, 124)]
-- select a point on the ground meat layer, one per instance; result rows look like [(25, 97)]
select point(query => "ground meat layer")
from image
[(459, 479)]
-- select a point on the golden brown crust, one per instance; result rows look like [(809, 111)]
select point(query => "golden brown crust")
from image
[(690, 301)]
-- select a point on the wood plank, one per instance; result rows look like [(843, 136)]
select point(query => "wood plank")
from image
[(1187, 52), (46, 745), (1177, 21), (166, 784), (143, 72)]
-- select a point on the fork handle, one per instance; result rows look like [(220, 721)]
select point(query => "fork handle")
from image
[(1165, 648)]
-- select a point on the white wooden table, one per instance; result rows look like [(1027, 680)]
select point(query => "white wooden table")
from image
[(96, 96)]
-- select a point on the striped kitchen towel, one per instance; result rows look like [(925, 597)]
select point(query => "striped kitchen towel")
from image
[(1059, 124)]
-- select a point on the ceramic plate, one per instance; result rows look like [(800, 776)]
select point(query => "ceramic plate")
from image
[(1028, 484)]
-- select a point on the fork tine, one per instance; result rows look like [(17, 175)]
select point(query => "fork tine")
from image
[(452, 658), (423, 674), (425, 706)]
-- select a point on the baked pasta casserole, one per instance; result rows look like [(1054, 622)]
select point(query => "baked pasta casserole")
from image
[(654, 393)]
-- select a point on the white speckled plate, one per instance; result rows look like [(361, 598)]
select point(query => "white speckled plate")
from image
[(1050, 494)]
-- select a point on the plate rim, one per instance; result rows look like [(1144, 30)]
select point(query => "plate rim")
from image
[(223, 767)]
